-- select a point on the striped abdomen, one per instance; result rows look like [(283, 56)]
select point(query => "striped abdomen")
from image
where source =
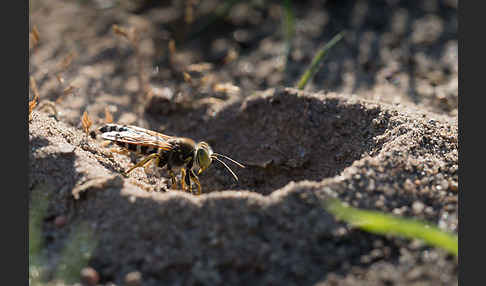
[(128, 137), (137, 148), (112, 128)]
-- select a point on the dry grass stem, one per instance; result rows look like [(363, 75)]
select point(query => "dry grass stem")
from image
[(86, 122), (121, 31), (33, 103), (33, 86), (34, 37), (187, 77), (68, 90), (66, 61), (108, 116)]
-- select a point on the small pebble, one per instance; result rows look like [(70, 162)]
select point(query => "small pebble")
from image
[(429, 210), (453, 186), (414, 274), (133, 278), (408, 185), (89, 276), (379, 203), (66, 149), (418, 207), (444, 185), (60, 221)]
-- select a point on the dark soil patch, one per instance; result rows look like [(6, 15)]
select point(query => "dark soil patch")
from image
[(282, 138)]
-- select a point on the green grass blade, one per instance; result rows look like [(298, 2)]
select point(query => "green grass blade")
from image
[(38, 208), (318, 58), (380, 223), (37, 211), (76, 254), (288, 24)]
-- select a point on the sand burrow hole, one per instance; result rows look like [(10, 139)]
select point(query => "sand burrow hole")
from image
[(284, 137)]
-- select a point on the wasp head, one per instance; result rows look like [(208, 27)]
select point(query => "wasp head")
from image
[(203, 156)]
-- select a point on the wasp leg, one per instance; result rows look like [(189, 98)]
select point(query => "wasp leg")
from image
[(143, 162), (172, 179), (183, 176), (196, 180), (187, 179), (156, 163), (147, 165), (120, 151)]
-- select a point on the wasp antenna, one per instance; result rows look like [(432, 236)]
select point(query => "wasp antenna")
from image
[(228, 158), (229, 169)]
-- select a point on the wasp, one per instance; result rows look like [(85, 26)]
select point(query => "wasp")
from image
[(175, 153)]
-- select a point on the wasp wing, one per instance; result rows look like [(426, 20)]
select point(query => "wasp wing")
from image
[(154, 134), (139, 136)]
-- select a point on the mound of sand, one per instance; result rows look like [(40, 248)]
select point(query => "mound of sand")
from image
[(270, 227)]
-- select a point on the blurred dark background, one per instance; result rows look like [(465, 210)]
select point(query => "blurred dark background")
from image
[(393, 51)]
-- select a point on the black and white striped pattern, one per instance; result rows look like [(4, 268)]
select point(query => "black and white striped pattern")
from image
[(113, 128), (132, 138)]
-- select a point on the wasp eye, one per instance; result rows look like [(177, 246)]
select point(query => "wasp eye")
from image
[(203, 159)]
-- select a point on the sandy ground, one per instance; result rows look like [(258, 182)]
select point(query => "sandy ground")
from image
[(377, 127)]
